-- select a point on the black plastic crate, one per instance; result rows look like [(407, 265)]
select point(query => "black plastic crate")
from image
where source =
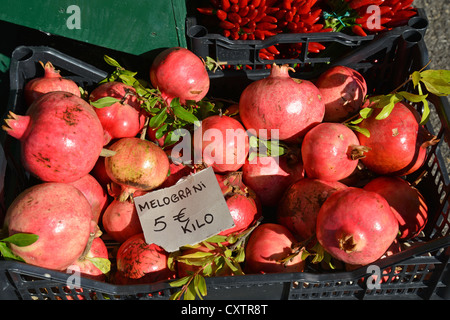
[(421, 272)]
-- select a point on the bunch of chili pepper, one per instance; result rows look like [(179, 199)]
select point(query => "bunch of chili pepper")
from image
[(368, 16), (259, 19)]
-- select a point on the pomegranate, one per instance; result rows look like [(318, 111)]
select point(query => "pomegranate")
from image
[(343, 91), (356, 226), (279, 102), (51, 81), (269, 177), (267, 245), (84, 265), (94, 193), (137, 165), (177, 169), (179, 73), (398, 143), (406, 202), (300, 204), (223, 144), (122, 119), (99, 172), (139, 262), (60, 215), (330, 151), (121, 221), (61, 137)]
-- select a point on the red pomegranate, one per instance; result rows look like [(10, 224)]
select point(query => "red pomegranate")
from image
[(179, 73), (279, 102), (60, 215), (177, 168), (269, 177), (61, 137), (356, 226), (122, 119), (98, 252), (222, 143), (99, 172), (139, 262), (330, 151), (138, 164), (406, 202), (300, 205), (94, 193), (121, 221), (398, 143), (267, 245), (343, 91), (51, 81)]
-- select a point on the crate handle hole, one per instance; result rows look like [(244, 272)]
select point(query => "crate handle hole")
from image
[(23, 53), (418, 23), (412, 36), (197, 31)]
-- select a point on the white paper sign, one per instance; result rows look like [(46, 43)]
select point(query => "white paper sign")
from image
[(185, 214)]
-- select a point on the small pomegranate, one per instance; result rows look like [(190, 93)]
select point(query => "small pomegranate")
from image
[(179, 73), (61, 137), (87, 268), (122, 119), (279, 102), (94, 193), (343, 91), (177, 169), (51, 81), (223, 144), (356, 226), (269, 177), (398, 143), (267, 245), (406, 202), (300, 205), (139, 262), (60, 215), (121, 221), (137, 165), (331, 151)]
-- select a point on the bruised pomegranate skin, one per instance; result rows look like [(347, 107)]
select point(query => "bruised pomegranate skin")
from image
[(179, 73), (282, 103), (121, 221), (122, 119), (94, 193), (60, 215), (137, 165), (222, 143), (51, 81), (356, 226), (330, 151), (396, 142), (269, 177), (267, 244), (61, 137), (343, 91), (300, 205), (406, 202), (139, 262)]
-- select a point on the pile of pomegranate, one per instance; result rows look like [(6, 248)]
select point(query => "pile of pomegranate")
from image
[(90, 162)]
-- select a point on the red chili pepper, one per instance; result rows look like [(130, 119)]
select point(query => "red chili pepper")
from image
[(256, 3), (296, 18), (289, 16), (251, 36), (234, 8), (355, 4), (404, 14), (315, 47), (312, 17), (244, 11), (406, 4), (316, 28), (266, 26), (273, 50), (259, 35), (359, 31), (269, 33), (252, 14), (270, 19), (261, 14), (226, 25), (272, 10), (226, 33), (287, 4), (234, 35), (251, 24), (234, 17), (280, 14), (234, 1), (244, 21), (225, 5)]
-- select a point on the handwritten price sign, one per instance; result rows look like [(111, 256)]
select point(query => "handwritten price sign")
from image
[(185, 214)]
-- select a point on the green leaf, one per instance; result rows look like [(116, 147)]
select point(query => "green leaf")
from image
[(365, 112), (200, 286), (436, 81), (412, 97), (386, 111), (111, 61), (415, 77), (189, 294), (176, 295), (426, 112), (104, 102), (7, 252), (103, 264), (196, 255), (217, 239), (363, 131), (159, 118), (183, 114), (21, 239), (180, 282), (161, 131)]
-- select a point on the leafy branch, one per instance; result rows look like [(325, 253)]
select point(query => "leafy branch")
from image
[(435, 81)]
